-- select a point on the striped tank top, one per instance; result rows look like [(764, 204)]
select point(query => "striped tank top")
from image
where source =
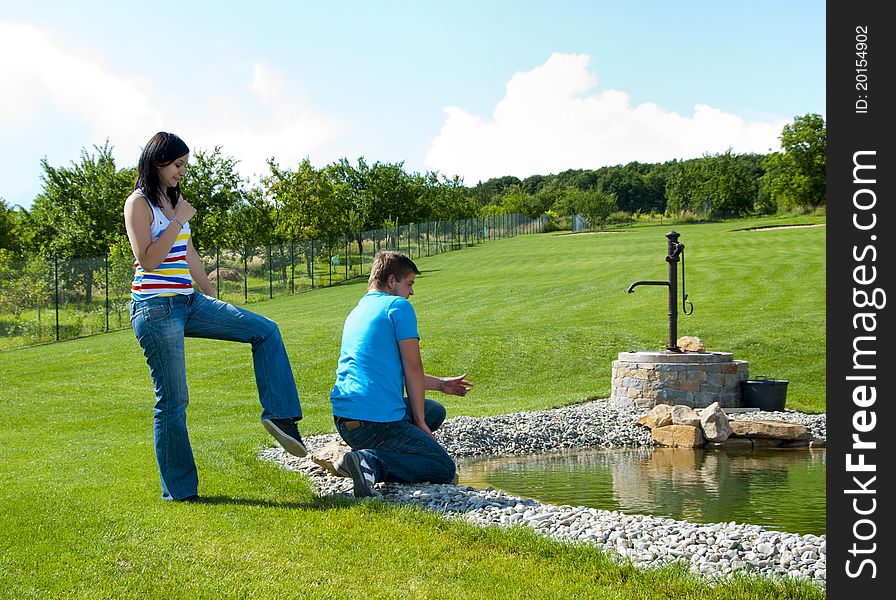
[(172, 276)]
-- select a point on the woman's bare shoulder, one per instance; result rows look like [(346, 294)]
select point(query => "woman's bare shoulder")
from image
[(137, 204), (137, 197)]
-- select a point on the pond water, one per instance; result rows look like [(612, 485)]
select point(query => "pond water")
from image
[(780, 489)]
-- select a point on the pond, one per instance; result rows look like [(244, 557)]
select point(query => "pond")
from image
[(779, 489)]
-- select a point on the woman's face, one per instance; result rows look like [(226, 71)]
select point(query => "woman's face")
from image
[(171, 173)]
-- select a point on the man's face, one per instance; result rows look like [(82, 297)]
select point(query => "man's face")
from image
[(402, 287)]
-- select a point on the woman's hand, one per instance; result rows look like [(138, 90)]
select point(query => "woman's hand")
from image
[(184, 211)]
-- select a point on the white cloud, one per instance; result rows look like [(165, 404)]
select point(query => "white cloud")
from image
[(47, 77), (44, 76), (547, 122), (271, 118)]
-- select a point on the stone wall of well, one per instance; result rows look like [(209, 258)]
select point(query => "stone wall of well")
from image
[(697, 379)]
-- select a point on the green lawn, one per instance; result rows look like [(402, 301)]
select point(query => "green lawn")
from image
[(535, 321)]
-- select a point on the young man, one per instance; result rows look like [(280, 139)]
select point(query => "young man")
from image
[(390, 434)]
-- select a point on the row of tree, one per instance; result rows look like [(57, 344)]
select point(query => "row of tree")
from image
[(79, 211)]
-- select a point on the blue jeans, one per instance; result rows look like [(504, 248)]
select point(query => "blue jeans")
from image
[(161, 324), (399, 450)]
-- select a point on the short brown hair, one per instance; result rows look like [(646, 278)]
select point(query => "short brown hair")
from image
[(390, 262)]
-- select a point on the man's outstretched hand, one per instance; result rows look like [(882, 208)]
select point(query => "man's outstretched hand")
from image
[(456, 386)]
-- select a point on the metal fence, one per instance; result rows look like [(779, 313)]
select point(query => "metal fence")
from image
[(47, 300)]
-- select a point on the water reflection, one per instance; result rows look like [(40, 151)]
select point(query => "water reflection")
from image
[(776, 488)]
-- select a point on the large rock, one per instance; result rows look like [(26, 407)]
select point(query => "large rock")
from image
[(679, 436), (659, 416), (328, 454), (685, 415), (226, 274), (776, 430), (714, 422), (689, 343)]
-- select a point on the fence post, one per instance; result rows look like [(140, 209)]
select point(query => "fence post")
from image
[(361, 252), (292, 266), (56, 300), (106, 263), (245, 274), (217, 272), (270, 272), (310, 259)]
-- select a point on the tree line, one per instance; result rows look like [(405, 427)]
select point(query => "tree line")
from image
[(78, 213)]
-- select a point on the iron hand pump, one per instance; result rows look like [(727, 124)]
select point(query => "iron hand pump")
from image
[(675, 253)]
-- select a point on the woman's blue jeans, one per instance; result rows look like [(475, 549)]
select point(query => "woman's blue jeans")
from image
[(161, 324), (399, 450)]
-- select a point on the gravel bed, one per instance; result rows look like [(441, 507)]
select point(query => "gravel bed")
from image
[(714, 550)]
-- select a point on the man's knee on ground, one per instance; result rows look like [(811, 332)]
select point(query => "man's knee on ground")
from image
[(450, 471)]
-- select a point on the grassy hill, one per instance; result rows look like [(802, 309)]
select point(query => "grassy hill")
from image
[(535, 321)]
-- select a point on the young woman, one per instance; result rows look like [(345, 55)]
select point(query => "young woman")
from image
[(165, 309)]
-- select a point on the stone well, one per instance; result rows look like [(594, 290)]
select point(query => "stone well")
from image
[(696, 379)]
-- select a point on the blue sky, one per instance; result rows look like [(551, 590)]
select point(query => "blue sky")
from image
[(476, 89)]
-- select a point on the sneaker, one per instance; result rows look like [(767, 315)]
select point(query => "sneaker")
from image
[(287, 434), (354, 465)]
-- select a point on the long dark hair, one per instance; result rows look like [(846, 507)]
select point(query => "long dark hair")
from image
[(162, 149)]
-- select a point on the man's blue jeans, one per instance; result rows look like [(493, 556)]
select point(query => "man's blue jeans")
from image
[(399, 450), (160, 325)]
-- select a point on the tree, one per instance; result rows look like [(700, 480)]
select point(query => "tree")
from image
[(516, 199), (626, 184), (680, 186), (534, 183), (305, 206), (485, 193), (712, 186), (253, 220), (725, 186), (655, 190), (80, 211), (8, 225), (796, 177), (441, 198), (348, 187), (596, 205), (215, 189), (390, 195), (23, 284)]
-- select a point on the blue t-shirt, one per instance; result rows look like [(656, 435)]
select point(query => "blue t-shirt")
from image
[(370, 377)]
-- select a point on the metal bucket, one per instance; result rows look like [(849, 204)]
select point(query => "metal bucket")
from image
[(764, 393)]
